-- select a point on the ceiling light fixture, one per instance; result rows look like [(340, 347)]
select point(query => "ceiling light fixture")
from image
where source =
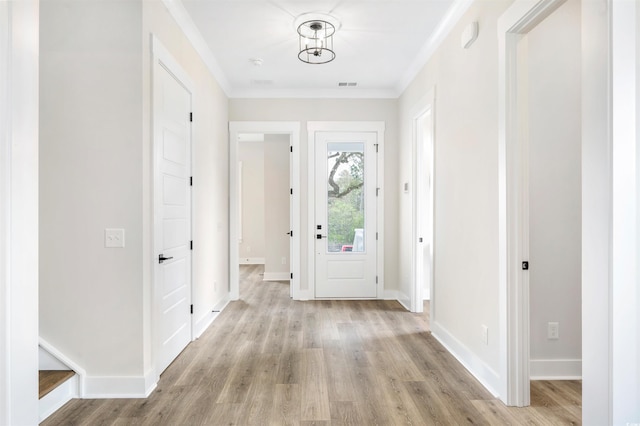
[(315, 34)]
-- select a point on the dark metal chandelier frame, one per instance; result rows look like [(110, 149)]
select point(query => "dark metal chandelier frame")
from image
[(316, 42)]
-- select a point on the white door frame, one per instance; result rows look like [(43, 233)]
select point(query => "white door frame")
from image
[(19, 212), (161, 57), (344, 126), (425, 106), (291, 128), (515, 22)]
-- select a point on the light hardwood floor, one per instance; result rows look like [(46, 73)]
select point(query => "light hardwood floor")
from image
[(270, 361)]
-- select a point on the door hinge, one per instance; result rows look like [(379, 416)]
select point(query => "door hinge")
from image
[(192, 309), (191, 244), (376, 145), (525, 265), (290, 148), (377, 191), (376, 279), (292, 275), (190, 116), (376, 236), (291, 191), (291, 233), (190, 180)]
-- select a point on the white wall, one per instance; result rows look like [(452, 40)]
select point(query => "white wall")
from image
[(18, 212), (96, 172), (304, 110), (252, 246), (555, 210), (91, 298), (465, 189), (276, 192)]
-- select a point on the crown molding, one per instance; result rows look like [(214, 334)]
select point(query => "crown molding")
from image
[(186, 24), (451, 18)]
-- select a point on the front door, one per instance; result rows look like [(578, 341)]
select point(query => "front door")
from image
[(172, 146), (345, 225)]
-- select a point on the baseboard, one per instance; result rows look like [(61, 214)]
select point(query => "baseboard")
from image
[(478, 368), (390, 295), (276, 276), (304, 295), (555, 369), (119, 387), (54, 400), (402, 298), (55, 353), (251, 261), (208, 319)]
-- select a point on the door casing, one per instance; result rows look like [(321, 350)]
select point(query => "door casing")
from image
[(291, 128), (345, 126), (513, 226), (422, 151)]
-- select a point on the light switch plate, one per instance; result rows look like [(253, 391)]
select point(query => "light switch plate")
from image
[(114, 238)]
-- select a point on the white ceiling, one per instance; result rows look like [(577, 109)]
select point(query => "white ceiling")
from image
[(381, 44)]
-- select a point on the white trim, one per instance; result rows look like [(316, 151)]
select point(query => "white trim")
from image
[(346, 126), (447, 23), (54, 400), (19, 30), (276, 276), (109, 387), (82, 374), (313, 94), (514, 388), (186, 24), (625, 239), (556, 369), (240, 195), (477, 367), (424, 107), (203, 323), (597, 195), (291, 128), (251, 261)]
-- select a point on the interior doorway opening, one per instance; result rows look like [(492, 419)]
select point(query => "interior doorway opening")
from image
[(280, 223), (423, 210)]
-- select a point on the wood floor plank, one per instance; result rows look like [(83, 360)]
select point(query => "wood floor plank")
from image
[(269, 360), (313, 387), (286, 405)]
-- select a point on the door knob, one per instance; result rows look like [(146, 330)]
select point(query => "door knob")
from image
[(320, 236), (161, 258)]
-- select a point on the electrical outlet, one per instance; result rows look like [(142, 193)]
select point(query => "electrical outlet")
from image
[(553, 331), (484, 334)]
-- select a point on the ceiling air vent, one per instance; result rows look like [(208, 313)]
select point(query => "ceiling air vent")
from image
[(349, 84), (261, 83)]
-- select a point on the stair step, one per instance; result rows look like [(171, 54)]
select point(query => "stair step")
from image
[(51, 379)]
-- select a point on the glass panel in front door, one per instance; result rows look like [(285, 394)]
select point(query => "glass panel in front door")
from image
[(345, 197)]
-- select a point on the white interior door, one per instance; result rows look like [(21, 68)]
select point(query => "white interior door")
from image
[(172, 105), (345, 226)]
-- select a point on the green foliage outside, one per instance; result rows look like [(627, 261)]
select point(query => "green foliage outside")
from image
[(345, 197)]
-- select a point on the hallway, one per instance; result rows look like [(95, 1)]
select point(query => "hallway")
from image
[(270, 360)]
